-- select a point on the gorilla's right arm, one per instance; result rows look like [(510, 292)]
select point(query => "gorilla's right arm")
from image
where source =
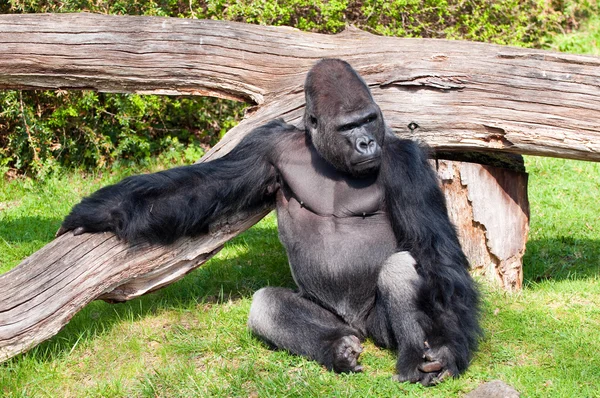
[(161, 207)]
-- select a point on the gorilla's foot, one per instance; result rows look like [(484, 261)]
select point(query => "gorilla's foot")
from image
[(346, 351), (437, 366), (438, 361)]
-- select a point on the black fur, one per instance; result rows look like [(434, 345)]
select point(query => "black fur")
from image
[(161, 207), (363, 221), (420, 221)]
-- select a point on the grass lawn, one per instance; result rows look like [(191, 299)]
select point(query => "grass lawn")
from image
[(190, 339)]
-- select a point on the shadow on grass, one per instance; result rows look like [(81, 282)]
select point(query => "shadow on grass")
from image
[(28, 229), (249, 262), (560, 259), (258, 260)]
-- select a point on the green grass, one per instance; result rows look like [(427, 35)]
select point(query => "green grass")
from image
[(584, 41), (190, 339)]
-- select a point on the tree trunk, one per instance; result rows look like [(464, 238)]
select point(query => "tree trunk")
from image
[(489, 207), (464, 97)]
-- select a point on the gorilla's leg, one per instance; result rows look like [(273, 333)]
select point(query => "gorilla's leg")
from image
[(290, 322), (397, 322)]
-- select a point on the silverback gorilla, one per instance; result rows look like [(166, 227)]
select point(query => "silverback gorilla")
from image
[(362, 218)]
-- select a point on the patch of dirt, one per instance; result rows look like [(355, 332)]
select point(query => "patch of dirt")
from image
[(9, 205)]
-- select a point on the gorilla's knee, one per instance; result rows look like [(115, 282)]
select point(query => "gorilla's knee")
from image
[(261, 310), (399, 273)]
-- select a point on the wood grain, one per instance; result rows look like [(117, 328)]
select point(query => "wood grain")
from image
[(464, 96)]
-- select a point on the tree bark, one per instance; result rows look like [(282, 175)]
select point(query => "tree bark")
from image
[(490, 209), (464, 97)]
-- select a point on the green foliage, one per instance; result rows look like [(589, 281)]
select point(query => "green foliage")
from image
[(41, 132), (585, 41), (522, 23), (500, 21)]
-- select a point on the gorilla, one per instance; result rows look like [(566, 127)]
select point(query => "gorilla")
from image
[(362, 218)]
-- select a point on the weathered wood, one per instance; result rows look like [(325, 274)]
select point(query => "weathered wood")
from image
[(464, 96), (490, 208)]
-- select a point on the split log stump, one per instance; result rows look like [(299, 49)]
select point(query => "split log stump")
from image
[(489, 207)]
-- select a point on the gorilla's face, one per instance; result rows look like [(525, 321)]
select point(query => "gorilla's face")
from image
[(344, 123)]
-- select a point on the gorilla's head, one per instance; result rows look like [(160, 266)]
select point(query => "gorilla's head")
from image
[(344, 123)]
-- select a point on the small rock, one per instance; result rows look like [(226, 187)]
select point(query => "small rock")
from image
[(494, 389)]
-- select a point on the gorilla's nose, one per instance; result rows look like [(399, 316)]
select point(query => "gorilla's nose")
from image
[(366, 146)]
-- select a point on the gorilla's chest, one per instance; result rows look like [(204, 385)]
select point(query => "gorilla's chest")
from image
[(309, 182), (335, 231)]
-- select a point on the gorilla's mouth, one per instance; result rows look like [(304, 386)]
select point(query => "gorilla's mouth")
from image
[(367, 161), (367, 166)]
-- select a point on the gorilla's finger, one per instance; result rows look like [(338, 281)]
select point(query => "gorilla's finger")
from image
[(79, 231), (61, 231)]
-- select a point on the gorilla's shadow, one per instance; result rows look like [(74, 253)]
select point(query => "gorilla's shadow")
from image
[(28, 229), (223, 278), (561, 258)]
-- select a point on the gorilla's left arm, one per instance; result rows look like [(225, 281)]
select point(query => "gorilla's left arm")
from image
[(184, 201), (421, 224)]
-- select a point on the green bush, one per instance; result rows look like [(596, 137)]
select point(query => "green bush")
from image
[(43, 131)]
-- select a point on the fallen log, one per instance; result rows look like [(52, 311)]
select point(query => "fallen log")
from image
[(461, 98), (42, 294)]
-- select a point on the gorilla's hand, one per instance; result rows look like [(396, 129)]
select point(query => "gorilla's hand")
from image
[(346, 351), (106, 210)]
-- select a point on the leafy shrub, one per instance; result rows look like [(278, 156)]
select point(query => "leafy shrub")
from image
[(43, 131)]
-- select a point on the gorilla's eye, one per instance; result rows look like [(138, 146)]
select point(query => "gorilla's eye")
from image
[(348, 127), (313, 121), (371, 118)]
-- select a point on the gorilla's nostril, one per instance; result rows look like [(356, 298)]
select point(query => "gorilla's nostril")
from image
[(364, 144)]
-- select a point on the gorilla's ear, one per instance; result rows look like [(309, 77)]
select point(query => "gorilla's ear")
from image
[(311, 123)]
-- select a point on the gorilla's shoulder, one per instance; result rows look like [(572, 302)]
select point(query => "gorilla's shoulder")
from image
[(277, 126), (274, 134), (269, 140), (405, 149)]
